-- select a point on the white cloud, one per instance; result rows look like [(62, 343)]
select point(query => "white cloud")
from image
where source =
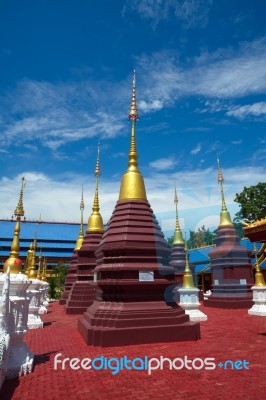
[(192, 13), (163, 163), (57, 199), (154, 105), (196, 150), (236, 141), (218, 76), (241, 112)]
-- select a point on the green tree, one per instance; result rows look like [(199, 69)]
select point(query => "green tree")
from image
[(57, 281), (201, 237), (170, 240), (252, 201)]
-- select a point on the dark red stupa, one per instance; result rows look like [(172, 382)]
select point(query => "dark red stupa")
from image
[(135, 283), (231, 270), (82, 293)]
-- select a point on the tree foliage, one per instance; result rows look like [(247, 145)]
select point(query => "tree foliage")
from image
[(252, 201), (57, 282), (201, 237)]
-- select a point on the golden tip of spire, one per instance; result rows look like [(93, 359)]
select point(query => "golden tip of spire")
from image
[(97, 168), (82, 200), (133, 111), (175, 196), (132, 184), (95, 222), (178, 237), (19, 211)]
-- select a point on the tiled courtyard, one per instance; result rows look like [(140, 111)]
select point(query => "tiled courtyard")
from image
[(228, 334)]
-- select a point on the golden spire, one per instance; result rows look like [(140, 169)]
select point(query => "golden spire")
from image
[(187, 277), (81, 233), (44, 270), (32, 273), (95, 222), (39, 274), (225, 218), (13, 261), (259, 278), (132, 184), (178, 238)]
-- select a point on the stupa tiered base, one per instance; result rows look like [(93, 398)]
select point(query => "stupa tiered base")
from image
[(233, 296), (109, 324), (70, 278), (134, 297), (82, 293), (81, 296), (231, 270), (259, 298)]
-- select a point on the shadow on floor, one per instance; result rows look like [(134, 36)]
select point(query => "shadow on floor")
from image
[(43, 358), (8, 389), (48, 323)]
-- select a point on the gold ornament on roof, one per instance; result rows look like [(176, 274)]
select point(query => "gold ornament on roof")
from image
[(132, 184)]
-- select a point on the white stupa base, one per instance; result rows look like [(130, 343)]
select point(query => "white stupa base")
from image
[(189, 301), (42, 310), (259, 298), (20, 361), (195, 315), (34, 320)]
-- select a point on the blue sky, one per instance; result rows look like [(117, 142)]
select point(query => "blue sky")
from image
[(65, 85)]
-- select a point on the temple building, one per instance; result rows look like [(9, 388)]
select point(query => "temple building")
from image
[(231, 270), (82, 292), (135, 283)]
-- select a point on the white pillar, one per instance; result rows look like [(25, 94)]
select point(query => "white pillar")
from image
[(34, 293), (4, 325), (259, 298), (21, 358), (189, 301)]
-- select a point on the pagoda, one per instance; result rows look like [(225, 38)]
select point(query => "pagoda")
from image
[(134, 297), (72, 269), (231, 270), (82, 293), (178, 253)]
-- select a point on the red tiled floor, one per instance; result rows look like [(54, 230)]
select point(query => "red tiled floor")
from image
[(228, 334)]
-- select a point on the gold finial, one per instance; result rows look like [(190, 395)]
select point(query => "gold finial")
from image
[(32, 273), (81, 233), (13, 260), (19, 211), (132, 185), (39, 274), (95, 222), (178, 237), (44, 270), (225, 218), (259, 278), (187, 277)]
